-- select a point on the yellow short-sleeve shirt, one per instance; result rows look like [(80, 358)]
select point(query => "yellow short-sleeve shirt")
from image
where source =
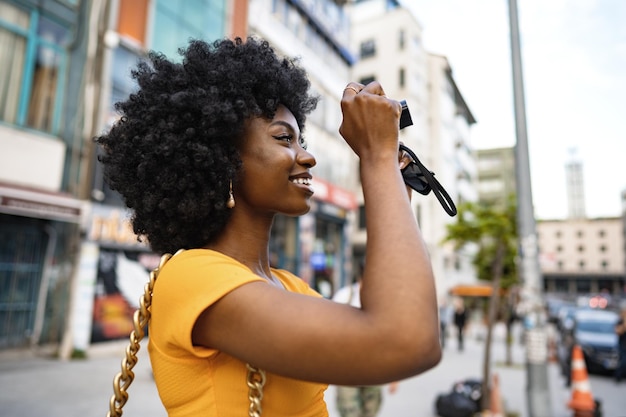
[(197, 381)]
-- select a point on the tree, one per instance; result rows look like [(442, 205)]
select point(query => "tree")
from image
[(493, 229)]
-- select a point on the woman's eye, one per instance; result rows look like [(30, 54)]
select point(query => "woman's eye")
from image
[(286, 138), (303, 143)]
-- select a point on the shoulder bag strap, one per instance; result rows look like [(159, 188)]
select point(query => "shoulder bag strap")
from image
[(121, 382)]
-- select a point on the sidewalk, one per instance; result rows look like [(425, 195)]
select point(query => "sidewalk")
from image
[(415, 397), (36, 386)]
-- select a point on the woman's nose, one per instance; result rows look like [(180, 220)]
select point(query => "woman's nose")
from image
[(305, 158)]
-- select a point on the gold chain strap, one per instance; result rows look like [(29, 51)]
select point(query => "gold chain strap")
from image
[(256, 381), (121, 382)]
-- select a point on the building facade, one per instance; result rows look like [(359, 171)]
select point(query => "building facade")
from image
[(43, 112), (581, 256), (316, 246), (388, 41), (496, 174)]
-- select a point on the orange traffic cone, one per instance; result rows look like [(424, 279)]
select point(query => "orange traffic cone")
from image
[(582, 401), (495, 399)]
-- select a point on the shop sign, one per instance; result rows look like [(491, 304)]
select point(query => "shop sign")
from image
[(111, 226), (330, 193)]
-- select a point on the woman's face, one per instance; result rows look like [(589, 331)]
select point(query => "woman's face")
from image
[(275, 174)]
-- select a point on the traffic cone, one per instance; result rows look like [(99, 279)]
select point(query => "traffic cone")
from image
[(582, 401), (495, 399)]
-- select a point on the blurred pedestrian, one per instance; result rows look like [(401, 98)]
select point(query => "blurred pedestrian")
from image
[(620, 329), (445, 319), (358, 401), (460, 319)]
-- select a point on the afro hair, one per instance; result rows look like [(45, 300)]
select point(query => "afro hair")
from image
[(174, 150)]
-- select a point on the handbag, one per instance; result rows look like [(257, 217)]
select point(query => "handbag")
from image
[(255, 377)]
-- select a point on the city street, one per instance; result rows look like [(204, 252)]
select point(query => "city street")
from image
[(34, 386)]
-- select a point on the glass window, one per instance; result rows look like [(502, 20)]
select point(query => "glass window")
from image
[(176, 23), (33, 55), (401, 77), (368, 48)]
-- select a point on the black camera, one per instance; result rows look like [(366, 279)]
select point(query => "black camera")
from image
[(405, 116)]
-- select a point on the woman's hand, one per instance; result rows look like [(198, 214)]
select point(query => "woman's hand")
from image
[(370, 122)]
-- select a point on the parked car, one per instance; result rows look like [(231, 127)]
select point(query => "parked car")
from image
[(594, 332)]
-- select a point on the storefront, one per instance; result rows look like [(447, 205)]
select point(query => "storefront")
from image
[(316, 246), (38, 230), (113, 270)]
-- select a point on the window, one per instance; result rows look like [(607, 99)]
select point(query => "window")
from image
[(175, 22), (579, 233), (558, 234), (581, 248), (602, 248), (401, 78), (601, 233), (581, 265), (368, 48), (401, 39), (604, 265), (34, 60), (559, 248)]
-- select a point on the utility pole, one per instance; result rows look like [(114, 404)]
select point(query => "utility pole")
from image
[(537, 388)]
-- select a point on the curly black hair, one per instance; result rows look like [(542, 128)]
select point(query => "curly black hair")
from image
[(174, 151)]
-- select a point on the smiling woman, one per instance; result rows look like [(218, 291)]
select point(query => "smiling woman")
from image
[(206, 153)]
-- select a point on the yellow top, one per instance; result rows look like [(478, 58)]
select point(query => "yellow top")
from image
[(198, 381)]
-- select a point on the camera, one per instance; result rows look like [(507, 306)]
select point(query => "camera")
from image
[(405, 116)]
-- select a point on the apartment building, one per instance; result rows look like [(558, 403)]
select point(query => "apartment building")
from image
[(43, 112), (317, 246), (496, 174), (65, 236), (388, 39)]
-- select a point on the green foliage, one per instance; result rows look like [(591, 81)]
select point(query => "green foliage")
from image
[(485, 225)]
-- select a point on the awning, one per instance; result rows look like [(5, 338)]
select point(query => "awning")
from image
[(475, 290), (39, 204)]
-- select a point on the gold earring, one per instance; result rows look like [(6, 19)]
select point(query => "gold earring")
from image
[(231, 200)]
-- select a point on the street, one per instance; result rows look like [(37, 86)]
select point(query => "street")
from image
[(34, 386)]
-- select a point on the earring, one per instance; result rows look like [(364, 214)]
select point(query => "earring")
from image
[(231, 200)]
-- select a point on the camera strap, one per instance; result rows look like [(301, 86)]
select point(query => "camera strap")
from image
[(422, 180)]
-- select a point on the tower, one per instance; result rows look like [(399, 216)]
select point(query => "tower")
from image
[(574, 186)]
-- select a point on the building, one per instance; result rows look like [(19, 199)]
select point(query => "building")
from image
[(44, 109), (496, 174), (388, 39), (316, 246), (580, 256), (65, 235), (103, 301), (575, 187)]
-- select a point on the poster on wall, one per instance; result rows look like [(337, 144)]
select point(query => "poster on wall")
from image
[(120, 282)]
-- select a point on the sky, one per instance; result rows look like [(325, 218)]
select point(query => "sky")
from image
[(574, 73)]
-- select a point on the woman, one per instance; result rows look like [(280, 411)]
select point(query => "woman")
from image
[(206, 153)]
